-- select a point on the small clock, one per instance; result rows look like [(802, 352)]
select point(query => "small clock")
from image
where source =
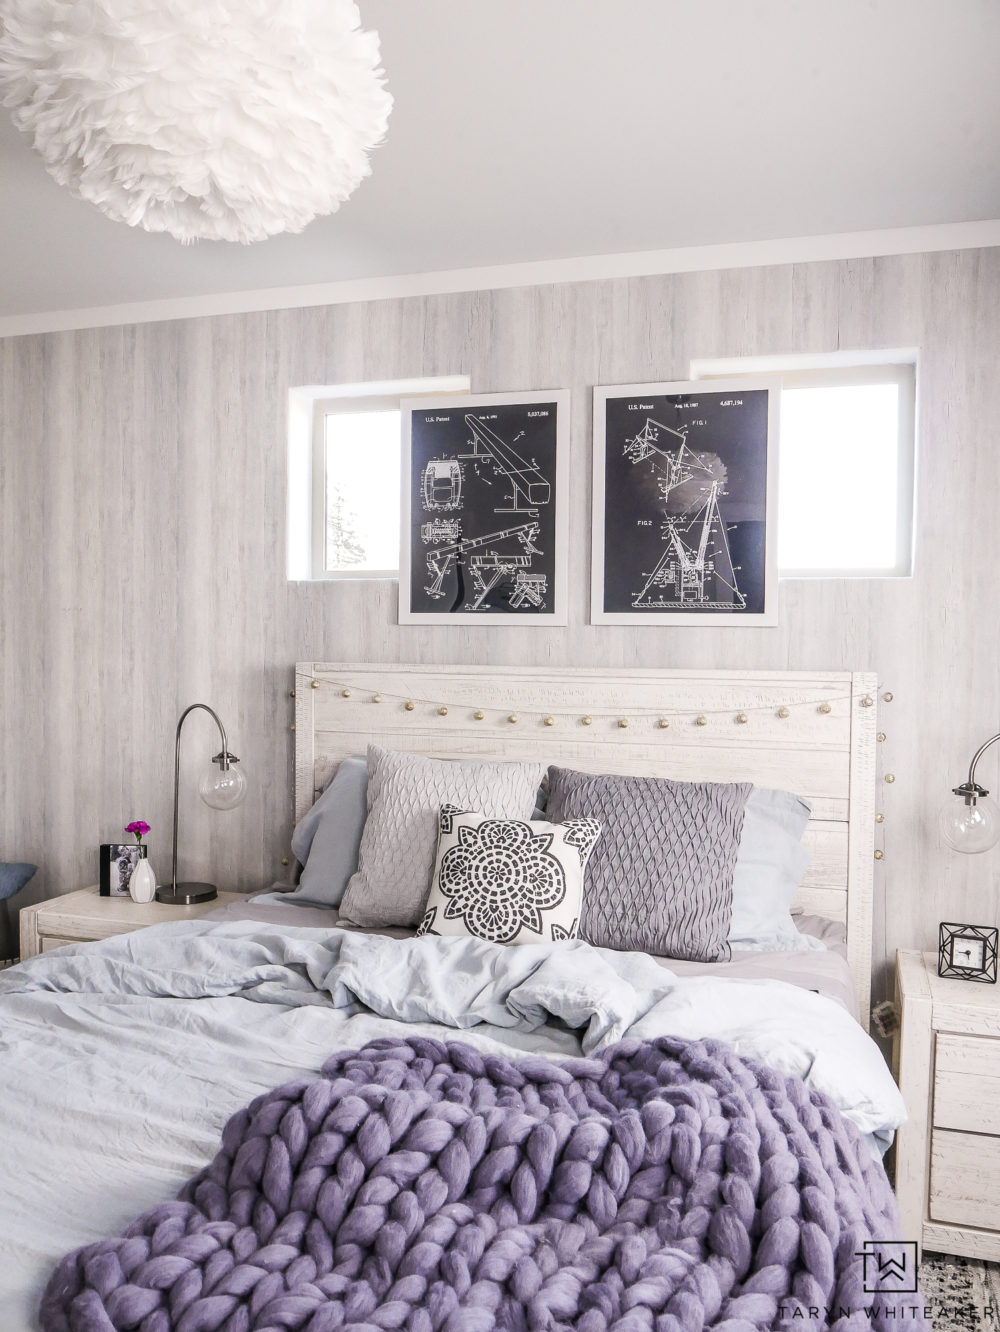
[(968, 952)]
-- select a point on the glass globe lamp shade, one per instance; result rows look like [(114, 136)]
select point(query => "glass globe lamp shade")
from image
[(223, 788), (970, 828)]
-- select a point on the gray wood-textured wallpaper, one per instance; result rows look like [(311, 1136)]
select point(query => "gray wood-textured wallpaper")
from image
[(142, 491)]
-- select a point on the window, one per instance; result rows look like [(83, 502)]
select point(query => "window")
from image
[(344, 477), (846, 462), (356, 488)]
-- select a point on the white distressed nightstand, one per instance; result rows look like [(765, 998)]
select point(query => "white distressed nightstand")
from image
[(947, 1060), (85, 916)]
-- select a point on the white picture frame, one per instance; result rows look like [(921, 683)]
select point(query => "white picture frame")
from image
[(484, 512), (664, 505)]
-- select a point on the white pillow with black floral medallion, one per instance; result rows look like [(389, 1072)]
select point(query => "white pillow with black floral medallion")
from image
[(508, 880)]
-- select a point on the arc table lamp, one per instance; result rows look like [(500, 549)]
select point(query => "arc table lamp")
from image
[(224, 789), (972, 822)]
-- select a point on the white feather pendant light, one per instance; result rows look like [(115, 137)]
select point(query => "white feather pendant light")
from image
[(205, 119)]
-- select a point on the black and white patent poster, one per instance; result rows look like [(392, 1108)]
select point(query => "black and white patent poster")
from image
[(685, 490), (484, 508)]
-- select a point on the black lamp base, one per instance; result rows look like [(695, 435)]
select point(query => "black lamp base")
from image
[(186, 893)]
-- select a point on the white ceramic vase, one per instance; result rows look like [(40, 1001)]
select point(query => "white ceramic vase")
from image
[(142, 884)]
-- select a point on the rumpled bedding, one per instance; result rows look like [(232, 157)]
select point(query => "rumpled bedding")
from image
[(820, 964), (121, 1061)]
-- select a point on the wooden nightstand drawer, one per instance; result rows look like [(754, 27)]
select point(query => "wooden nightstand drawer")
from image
[(965, 1179), (51, 941), (967, 1083)]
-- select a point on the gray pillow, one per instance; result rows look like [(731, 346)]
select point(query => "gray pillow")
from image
[(660, 880), (405, 795), (769, 869), (326, 840)]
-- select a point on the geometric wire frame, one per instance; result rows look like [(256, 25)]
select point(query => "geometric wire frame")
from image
[(948, 932)]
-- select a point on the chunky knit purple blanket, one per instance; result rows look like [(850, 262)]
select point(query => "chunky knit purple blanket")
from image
[(666, 1185)]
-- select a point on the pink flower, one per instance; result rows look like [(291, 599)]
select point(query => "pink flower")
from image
[(138, 827)]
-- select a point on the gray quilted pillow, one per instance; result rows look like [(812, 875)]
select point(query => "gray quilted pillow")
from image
[(405, 795), (660, 880)]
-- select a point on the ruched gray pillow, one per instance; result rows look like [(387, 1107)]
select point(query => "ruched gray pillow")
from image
[(660, 880), (405, 795)]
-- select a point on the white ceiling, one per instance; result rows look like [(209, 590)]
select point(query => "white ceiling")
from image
[(530, 130)]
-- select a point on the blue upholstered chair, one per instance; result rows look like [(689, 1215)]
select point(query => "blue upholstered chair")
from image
[(13, 877)]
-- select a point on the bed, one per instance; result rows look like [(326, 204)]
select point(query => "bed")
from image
[(122, 1061)]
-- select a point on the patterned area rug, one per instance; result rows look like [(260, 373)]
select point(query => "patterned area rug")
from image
[(962, 1293)]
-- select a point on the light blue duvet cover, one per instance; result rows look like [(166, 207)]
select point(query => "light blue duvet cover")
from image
[(121, 1061)]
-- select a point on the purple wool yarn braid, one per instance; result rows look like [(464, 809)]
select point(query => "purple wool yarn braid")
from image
[(663, 1186)]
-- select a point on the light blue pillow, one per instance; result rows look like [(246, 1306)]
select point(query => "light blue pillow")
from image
[(769, 868), (326, 840), (13, 877)]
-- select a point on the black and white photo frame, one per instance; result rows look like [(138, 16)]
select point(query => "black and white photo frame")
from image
[(484, 509), (685, 503), (117, 860)]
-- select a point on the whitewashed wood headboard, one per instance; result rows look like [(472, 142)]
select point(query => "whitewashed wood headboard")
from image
[(808, 732)]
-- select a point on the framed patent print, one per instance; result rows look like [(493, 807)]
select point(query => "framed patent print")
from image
[(484, 516), (685, 489)]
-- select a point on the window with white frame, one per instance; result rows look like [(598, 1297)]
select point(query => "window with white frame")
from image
[(847, 451), (344, 476)]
